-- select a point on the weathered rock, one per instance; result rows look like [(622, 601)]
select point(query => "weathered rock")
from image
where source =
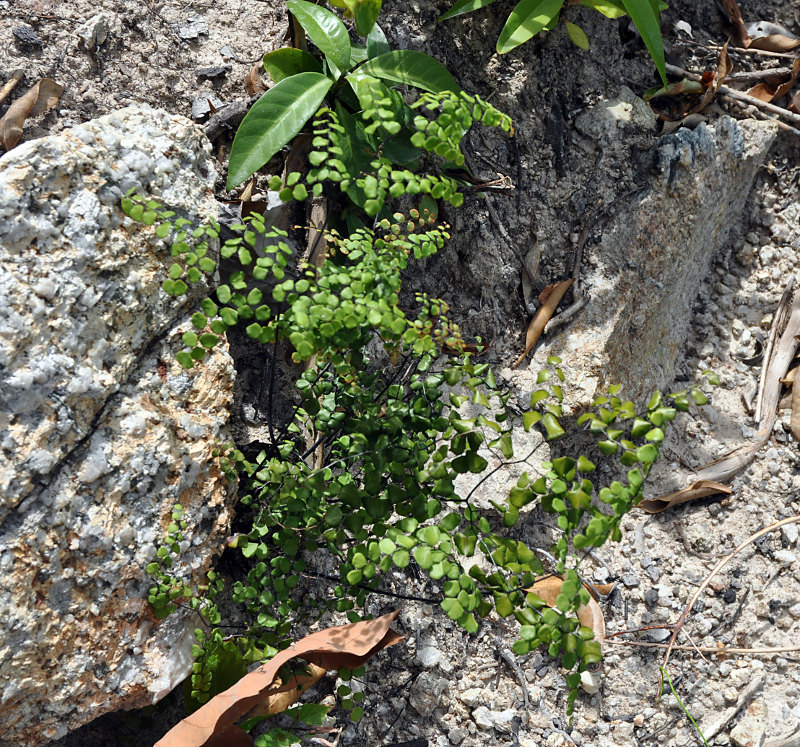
[(645, 273), (100, 432)]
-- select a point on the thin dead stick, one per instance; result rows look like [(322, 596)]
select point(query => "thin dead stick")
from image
[(710, 649), (764, 52), (15, 78), (759, 74), (739, 96), (716, 569), (764, 116)]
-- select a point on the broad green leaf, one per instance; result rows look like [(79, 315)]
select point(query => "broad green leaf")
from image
[(273, 121), (609, 8), (365, 13), (526, 20), (464, 6), (412, 68), (577, 35), (376, 42), (288, 61), (645, 16), (326, 31)]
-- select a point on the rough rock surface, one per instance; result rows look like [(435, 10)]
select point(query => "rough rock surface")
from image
[(643, 275), (100, 433)]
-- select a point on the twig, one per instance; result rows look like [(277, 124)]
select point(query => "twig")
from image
[(511, 660), (739, 96), (15, 78), (721, 564), (717, 48), (724, 651)]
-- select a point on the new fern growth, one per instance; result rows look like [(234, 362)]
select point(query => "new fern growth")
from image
[(369, 471)]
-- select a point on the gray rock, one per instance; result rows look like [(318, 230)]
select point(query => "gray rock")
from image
[(644, 274), (426, 693), (26, 36), (217, 71), (101, 433)]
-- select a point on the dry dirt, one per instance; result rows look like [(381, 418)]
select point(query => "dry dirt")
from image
[(444, 686)]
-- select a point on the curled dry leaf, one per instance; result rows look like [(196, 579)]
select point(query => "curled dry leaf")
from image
[(771, 37), (768, 91), (700, 489), (590, 615), (778, 358), (253, 82), (731, 7), (333, 648), (550, 297), (39, 99)]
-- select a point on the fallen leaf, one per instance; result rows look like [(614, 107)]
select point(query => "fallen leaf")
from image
[(790, 375), (794, 422), (39, 99), (768, 91), (771, 37), (700, 489), (291, 691), (731, 7), (590, 615), (333, 648), (550, 297), (778, 358), (253, 82)]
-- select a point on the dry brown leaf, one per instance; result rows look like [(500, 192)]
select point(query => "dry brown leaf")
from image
[(550, 297), (731, 7), (794, 422), (768, 91), (590, 615), (253, 82), (724, 69), (777, 360), (700, 489), (333, 648), (790, 376), (774, 43), (39, 99), (598, 590), (291, 692)]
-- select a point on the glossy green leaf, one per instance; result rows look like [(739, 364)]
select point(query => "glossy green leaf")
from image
[(645, 16), (411, 68), (527, 19), (376, 42), (273, 121), (288, 61), (464, 6), (326, 31)]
